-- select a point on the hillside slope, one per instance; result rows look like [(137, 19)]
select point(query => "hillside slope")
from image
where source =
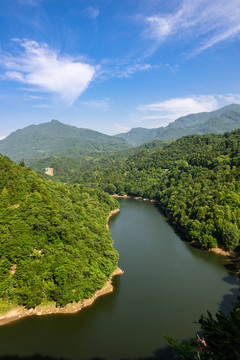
[(196, 179), (54, 242)]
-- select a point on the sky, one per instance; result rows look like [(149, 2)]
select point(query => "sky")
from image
[(112, 65)]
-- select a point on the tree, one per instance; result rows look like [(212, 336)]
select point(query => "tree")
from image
[(110, 188), (221, 339), (231, 236)]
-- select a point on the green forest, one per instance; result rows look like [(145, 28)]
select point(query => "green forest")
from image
[(54, 242), (55, 245), (195, 179)]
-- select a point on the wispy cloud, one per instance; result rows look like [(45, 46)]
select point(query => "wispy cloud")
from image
[(44, 69), (91, 12), (132, 69), (42, 106), (230, 98), (34, 97), (122, 69), (166, 111), (103, 104), (206, 22)]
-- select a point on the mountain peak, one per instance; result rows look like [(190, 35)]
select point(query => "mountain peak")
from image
[(56, 138), (55, 121)]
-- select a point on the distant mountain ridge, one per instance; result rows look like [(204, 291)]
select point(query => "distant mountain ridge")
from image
[(36, 142), (219, 121), (56, 138)]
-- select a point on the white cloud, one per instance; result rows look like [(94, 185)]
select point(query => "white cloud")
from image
[(39, 66), (14, 75), (159, 28), (169, 110), (2, 137), (228, 34), (130, 70), (206, 22), (231, 98)]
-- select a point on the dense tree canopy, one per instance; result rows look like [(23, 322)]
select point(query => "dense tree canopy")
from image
[(195, 179), (54, 242)]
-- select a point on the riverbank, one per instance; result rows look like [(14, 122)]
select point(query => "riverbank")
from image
[(222, 252), (113, 212), (50, 308), (233, 256), (20, 312)]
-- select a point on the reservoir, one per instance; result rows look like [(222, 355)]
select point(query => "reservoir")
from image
[(166, 286)]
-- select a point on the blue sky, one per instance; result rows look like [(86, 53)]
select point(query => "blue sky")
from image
[(111, 65)]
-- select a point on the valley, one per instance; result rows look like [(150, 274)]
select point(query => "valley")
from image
[(56, 248)]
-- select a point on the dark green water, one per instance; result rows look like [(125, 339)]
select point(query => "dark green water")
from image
[(166, 286)]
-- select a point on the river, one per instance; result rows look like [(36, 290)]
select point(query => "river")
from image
[(166, 286)]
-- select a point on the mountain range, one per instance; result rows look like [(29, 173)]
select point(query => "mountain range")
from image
[(54, 138), (219, 121)]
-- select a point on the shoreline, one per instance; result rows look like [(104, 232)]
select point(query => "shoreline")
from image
[(20, 312), (49, 309), (113, 212)]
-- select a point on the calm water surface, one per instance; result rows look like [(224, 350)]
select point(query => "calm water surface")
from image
[(166, 286)]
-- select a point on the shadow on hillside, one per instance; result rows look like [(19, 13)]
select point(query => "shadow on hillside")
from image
[(160, 354)]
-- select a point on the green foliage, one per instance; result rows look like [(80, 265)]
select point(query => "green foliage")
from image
[(195, 179), (221, 336), (182, 350), (54, 242), (231, 236), (110, 188)]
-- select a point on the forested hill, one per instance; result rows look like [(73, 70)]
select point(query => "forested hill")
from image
[(67, 168), (196, 179), (54, 242), (218, 122), (54, 138)]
